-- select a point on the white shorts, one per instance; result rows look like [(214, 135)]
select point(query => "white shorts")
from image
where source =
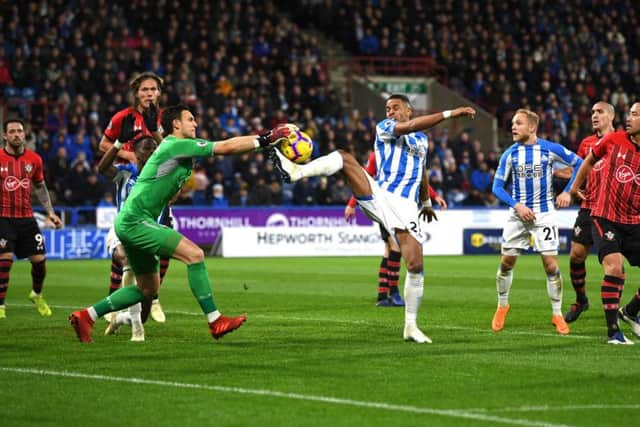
[(112, 240), (541, 234), (392, 212)]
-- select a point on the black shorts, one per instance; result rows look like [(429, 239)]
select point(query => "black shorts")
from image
[(21, 236), (583, 231), (615, 237), (384, 233)]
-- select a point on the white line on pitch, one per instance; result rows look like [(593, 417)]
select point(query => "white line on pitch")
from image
[(352, 322), (293, 396), (550, 408)]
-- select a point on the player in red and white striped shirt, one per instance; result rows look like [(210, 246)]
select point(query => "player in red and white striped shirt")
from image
[(146, 89), (602, 115), (20, 173), (616, 218)]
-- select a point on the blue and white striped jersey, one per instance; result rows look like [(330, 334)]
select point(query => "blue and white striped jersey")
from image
[(125, 179), (531, 168), (401, 160)]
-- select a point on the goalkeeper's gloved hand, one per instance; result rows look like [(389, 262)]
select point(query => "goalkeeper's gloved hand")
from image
[(150, 116), (127, 132), (276, 135)]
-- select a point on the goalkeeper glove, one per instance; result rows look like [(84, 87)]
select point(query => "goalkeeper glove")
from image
[(150, 116), (276, 135), (127, 132)]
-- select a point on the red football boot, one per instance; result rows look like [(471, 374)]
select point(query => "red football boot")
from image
[(223, 325), (82, 323)]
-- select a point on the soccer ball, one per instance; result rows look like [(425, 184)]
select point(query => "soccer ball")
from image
[(297, 147)]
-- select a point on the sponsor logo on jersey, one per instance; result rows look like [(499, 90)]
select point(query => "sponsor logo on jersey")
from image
[(624, 174), (12, 183), (528, 171)]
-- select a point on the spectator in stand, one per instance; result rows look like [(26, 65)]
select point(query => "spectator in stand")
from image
[(261, 194), (241, 196), (339, 193), (218, 200), (106, 200), (481, 178), (303, 192)]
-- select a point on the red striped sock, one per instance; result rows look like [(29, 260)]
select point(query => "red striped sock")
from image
[(393, 271), (383, 281), (611, 290), (116, 276), (5, 268)]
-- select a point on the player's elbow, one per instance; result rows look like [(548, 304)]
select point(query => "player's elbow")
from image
[(104, 145)]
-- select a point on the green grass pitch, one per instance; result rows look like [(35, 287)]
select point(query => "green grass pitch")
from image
[(316, 352)]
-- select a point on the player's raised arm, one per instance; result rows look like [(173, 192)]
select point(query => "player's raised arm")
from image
[(127, 132), (422, 123), (242, 144)]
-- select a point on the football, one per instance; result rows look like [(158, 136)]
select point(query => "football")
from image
[(297, 147)]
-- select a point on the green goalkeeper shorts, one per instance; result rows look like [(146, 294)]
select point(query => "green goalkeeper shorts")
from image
[(145, 241)]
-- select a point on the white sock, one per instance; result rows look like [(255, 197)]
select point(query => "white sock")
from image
[(325, 165), (92, 313), (134, 313), (413, 290), (554, 289), (123, 318), (503, 285), (213, 316)]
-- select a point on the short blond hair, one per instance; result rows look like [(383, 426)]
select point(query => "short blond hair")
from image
[(532, 117)]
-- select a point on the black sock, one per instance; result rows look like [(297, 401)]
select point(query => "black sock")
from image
[(611, 290), (578, 273), (38, 273)]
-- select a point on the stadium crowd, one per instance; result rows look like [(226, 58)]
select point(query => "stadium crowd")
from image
[(245, 66), (555, 58)]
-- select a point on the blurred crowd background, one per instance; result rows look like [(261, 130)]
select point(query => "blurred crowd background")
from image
[(245, 66)]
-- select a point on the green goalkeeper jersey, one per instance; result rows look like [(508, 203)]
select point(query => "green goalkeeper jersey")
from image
[(162, 176)]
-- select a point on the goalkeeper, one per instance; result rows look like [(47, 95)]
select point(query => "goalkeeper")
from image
[(145, 240)]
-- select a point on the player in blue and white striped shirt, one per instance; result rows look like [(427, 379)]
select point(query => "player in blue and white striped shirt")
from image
[(392, 199), (528, 165)]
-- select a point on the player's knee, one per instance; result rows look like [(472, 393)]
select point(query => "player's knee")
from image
[(119, 257), (149, 290), (612, 267), (507, 263), (195, 255), (550, 266), (414, 265), (578, 254), (348, 161)]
